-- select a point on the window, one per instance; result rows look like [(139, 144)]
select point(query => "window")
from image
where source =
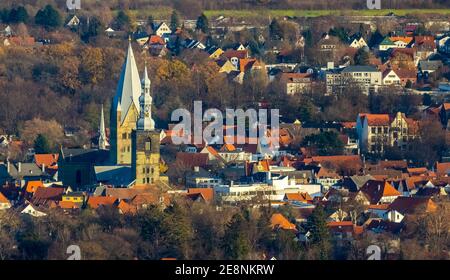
[(374, 129), (148, 145), (128, 148), (124, 136), (148, 170), (143, 170)]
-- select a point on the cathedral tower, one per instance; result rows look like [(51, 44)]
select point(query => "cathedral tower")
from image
[(145, 140), (102, 140), (125, 111)]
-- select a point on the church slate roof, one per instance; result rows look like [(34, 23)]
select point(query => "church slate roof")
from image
[(129, 87)]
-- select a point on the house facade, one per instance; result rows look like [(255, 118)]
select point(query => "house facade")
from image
[(377, 131), (368, 78)]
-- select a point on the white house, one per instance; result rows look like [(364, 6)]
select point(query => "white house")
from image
[(30, 210), (274, 189), (391, 78), (393, 216), (358, 43), (73, 22), (162, 29)]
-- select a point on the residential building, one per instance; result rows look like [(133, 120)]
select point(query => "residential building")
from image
[(377, 131), (296, 82), (358, 43), (368, 78)]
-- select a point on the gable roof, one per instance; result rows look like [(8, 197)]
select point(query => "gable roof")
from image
[(97, 201), (126, 208), (3, 199), (32, 186), (376, 119), (375, 190), (233, 53), (387, 41), (150, 199), (409, 205), (123, 193), (442, 168), (406, 40), (279, 221), (300, 196), (43, 195), (206, 193), (192, 159), (48, 160), (156, 40), (69, 205)]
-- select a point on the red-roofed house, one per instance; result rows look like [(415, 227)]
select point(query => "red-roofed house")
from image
[(204, 194), (375, 131), (278, 221), (379, 192), (4, 202), (96, 201)]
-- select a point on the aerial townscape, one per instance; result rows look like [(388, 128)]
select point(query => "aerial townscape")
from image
[(88, 156)]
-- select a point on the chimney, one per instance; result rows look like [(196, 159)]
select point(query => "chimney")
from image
[(196, 169), (8, 165), (379, 187), (43, 168), (19, 167)]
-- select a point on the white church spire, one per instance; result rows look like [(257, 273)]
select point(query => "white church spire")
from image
[(145, 121), (102, 141), (128, 90)]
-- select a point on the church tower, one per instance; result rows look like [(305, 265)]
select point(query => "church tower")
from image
[(125, 111), (102, 141), (145, 140)]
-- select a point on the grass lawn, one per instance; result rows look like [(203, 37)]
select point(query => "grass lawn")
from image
[(316, 13), (165, 12)]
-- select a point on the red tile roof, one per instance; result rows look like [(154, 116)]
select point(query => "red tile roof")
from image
[(207, 193), (233, 53), (192, 159), (97, 201), (32, 186), (3, 199), (376, 119), (301, 197), (279, 221), (49, 160), (442, 168), (156, 40), (375, 190), (409, 205)]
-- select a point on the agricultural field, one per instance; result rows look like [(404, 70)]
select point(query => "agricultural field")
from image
[(316, 13), (165, 12)]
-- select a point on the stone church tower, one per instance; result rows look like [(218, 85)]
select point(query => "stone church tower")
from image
[(125, 111), (145, 140)]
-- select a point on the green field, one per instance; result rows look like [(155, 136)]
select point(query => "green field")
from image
[(164, 13), (316, 13)]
